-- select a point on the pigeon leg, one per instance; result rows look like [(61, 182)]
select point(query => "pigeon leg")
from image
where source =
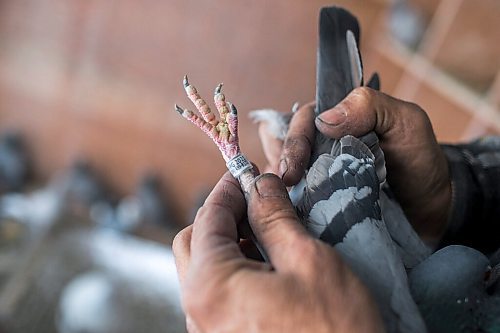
[(223, 131), (197, 121), (199, 102), (220, 102), (227, 112)]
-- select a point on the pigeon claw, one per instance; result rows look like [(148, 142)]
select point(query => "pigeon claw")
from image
[(222, 131)]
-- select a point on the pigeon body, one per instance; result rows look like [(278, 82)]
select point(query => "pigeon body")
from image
[(451, 290), (343, 200), (338, 200), (133, 287), (341, 206)]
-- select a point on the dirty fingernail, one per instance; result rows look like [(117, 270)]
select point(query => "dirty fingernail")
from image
[(333, 117), (268, 185), (283, 168)]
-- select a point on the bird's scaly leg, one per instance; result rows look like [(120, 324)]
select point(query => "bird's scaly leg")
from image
[(223, 132)]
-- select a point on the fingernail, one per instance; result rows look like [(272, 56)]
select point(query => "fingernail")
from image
[(283, 168), (268, 185), (333, 117)]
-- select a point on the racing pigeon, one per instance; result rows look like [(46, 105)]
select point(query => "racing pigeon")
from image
[(339, 198), (14, 164), (343, 199), (455, 291)]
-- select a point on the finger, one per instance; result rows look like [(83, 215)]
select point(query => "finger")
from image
[(215, 236), (297, 146), (181, 247), (412, 153), (365, 110), (271, 146), (274, 221)]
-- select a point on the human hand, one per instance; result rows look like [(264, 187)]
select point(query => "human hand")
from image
[(309, 289), (417, 169)]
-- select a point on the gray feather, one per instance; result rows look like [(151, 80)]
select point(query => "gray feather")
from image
[(374, 82), (368, 249), (347, 214), (409, 245)]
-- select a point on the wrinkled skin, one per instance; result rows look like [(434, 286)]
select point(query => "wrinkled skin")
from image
[(309, 289), (417, 169)]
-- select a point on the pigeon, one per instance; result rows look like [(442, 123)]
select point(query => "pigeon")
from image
[(339, 199), (131, 287), (455, 291), (74, 190), (155, 204), (14, 163), (81, 185), (147, 206)]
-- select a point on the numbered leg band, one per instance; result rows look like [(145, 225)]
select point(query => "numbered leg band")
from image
[(238, 164)]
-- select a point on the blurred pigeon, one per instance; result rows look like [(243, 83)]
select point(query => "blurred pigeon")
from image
[(406, 23), (14, 166), (132, 288), (155, 206), (38, 209), (147, 206), (72, 190), (453, 291), (104, 214), (81, 185)]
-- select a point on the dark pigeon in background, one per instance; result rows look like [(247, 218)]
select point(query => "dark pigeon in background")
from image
[(456, 291), (148, 205), (14, 166)]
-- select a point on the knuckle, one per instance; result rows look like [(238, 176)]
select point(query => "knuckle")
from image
[(182, 239), (417, 116), (296, 145), (363, 96), (273, 217), (418, 112), (414, 108)]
